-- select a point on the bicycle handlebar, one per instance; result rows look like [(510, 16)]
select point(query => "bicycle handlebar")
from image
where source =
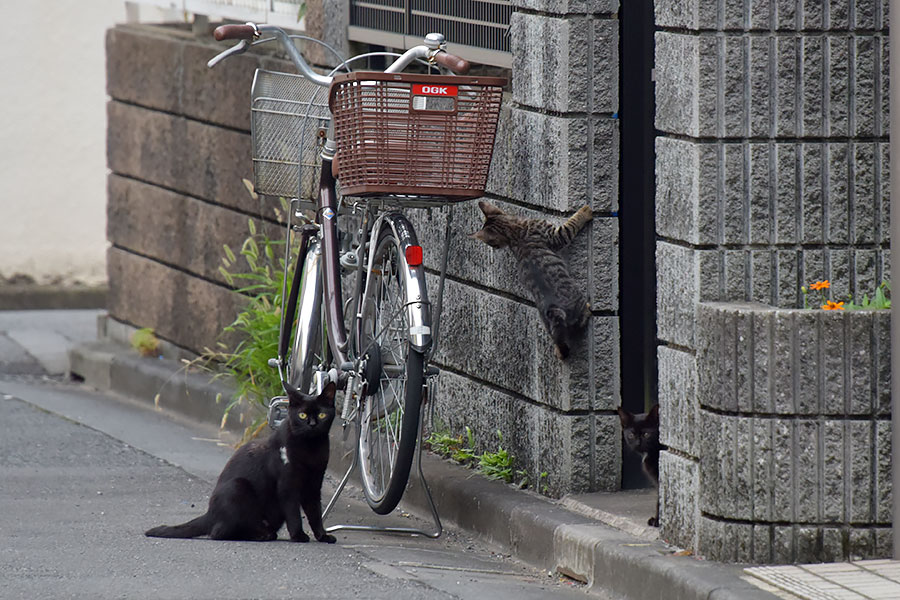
[(433, 51), (458, 65), (236, 32)]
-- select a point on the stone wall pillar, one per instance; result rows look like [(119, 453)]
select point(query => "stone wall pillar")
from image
[(557, 149), (772, 173), (327, 20)]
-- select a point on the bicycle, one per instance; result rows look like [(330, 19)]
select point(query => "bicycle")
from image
[(393, 140)]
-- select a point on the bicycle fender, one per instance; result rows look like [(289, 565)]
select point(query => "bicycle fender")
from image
[(307, 338), (417, 305)]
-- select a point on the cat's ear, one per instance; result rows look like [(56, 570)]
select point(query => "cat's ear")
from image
[(489, 209), (653, 415), (327, 395), (292, 392), (625, 417)]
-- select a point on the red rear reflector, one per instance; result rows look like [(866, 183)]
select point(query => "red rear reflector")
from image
[(414, 256), (435, 90)]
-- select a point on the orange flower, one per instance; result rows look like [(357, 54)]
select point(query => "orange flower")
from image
[(829, 305), (820, 285)]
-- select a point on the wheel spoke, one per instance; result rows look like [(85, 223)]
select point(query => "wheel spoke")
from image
[(388, 433)]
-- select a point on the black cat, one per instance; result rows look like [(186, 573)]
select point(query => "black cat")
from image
[(641, 433), (535, 244), (266, 482)]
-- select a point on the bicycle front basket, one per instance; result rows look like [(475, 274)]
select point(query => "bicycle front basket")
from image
[(403, 134)]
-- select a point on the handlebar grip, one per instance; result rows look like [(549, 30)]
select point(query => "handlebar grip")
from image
[(458, 65), (234, 32)]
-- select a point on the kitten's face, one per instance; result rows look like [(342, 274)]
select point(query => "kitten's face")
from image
[(641, 431), (311, 415), (497, 228)]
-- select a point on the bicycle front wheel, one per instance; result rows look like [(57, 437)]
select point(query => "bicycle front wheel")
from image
[(389, 423)]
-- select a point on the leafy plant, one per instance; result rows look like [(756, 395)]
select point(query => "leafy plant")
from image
[(256, 272), (145, 342), (499, 464), (879, 302), (453, 447), (544, 484)]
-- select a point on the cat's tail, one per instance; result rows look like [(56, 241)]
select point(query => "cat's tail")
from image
[(193, 528)]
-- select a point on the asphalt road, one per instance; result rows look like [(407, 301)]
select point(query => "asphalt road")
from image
[(82, 476)]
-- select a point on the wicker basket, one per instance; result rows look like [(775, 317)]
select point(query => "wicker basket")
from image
[(414, 135)]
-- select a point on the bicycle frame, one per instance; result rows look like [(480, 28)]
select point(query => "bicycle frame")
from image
[(325, 258)]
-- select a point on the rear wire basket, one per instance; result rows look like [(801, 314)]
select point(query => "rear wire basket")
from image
[(414, 135), (288, 122)]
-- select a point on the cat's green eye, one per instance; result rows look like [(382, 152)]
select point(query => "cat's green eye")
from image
[(322, 415), (302, 415)]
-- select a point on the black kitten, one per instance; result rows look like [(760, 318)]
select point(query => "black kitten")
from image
[(535, 244), (266, 482), (641, 433)]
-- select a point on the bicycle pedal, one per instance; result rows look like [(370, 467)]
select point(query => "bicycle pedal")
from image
[(278, 411)]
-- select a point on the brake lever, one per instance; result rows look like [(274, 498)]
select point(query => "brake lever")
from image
[(238, 48)]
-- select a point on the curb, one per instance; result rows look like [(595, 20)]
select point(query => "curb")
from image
[(532, 528), (51, 297)]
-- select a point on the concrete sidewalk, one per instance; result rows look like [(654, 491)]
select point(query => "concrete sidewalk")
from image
[(601, 539), (37, 342)]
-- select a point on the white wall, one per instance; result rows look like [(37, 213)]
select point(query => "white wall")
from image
[(53, 139)]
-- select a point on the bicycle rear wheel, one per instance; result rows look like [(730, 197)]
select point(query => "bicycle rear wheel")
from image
[(389, 422)]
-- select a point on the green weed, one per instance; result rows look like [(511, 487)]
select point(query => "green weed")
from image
[(145, 342), (256, 272), (881, 300), (453, 447), (499, 464)]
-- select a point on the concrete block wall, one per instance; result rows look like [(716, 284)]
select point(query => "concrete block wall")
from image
[(557, 149), (794, 433), (772, 173)]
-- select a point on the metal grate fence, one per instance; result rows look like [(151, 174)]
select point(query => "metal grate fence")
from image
[(477, 29)]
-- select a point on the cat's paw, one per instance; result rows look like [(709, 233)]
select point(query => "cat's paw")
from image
[(587, 212), (301, 538), (327, 538), (653, 522)]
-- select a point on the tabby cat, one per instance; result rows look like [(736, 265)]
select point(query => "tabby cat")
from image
[(641, 433), (266, 482), (536, 243)]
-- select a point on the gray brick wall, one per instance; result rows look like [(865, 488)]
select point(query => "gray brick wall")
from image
[(794, 427), (772, 173), (557, 149)]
